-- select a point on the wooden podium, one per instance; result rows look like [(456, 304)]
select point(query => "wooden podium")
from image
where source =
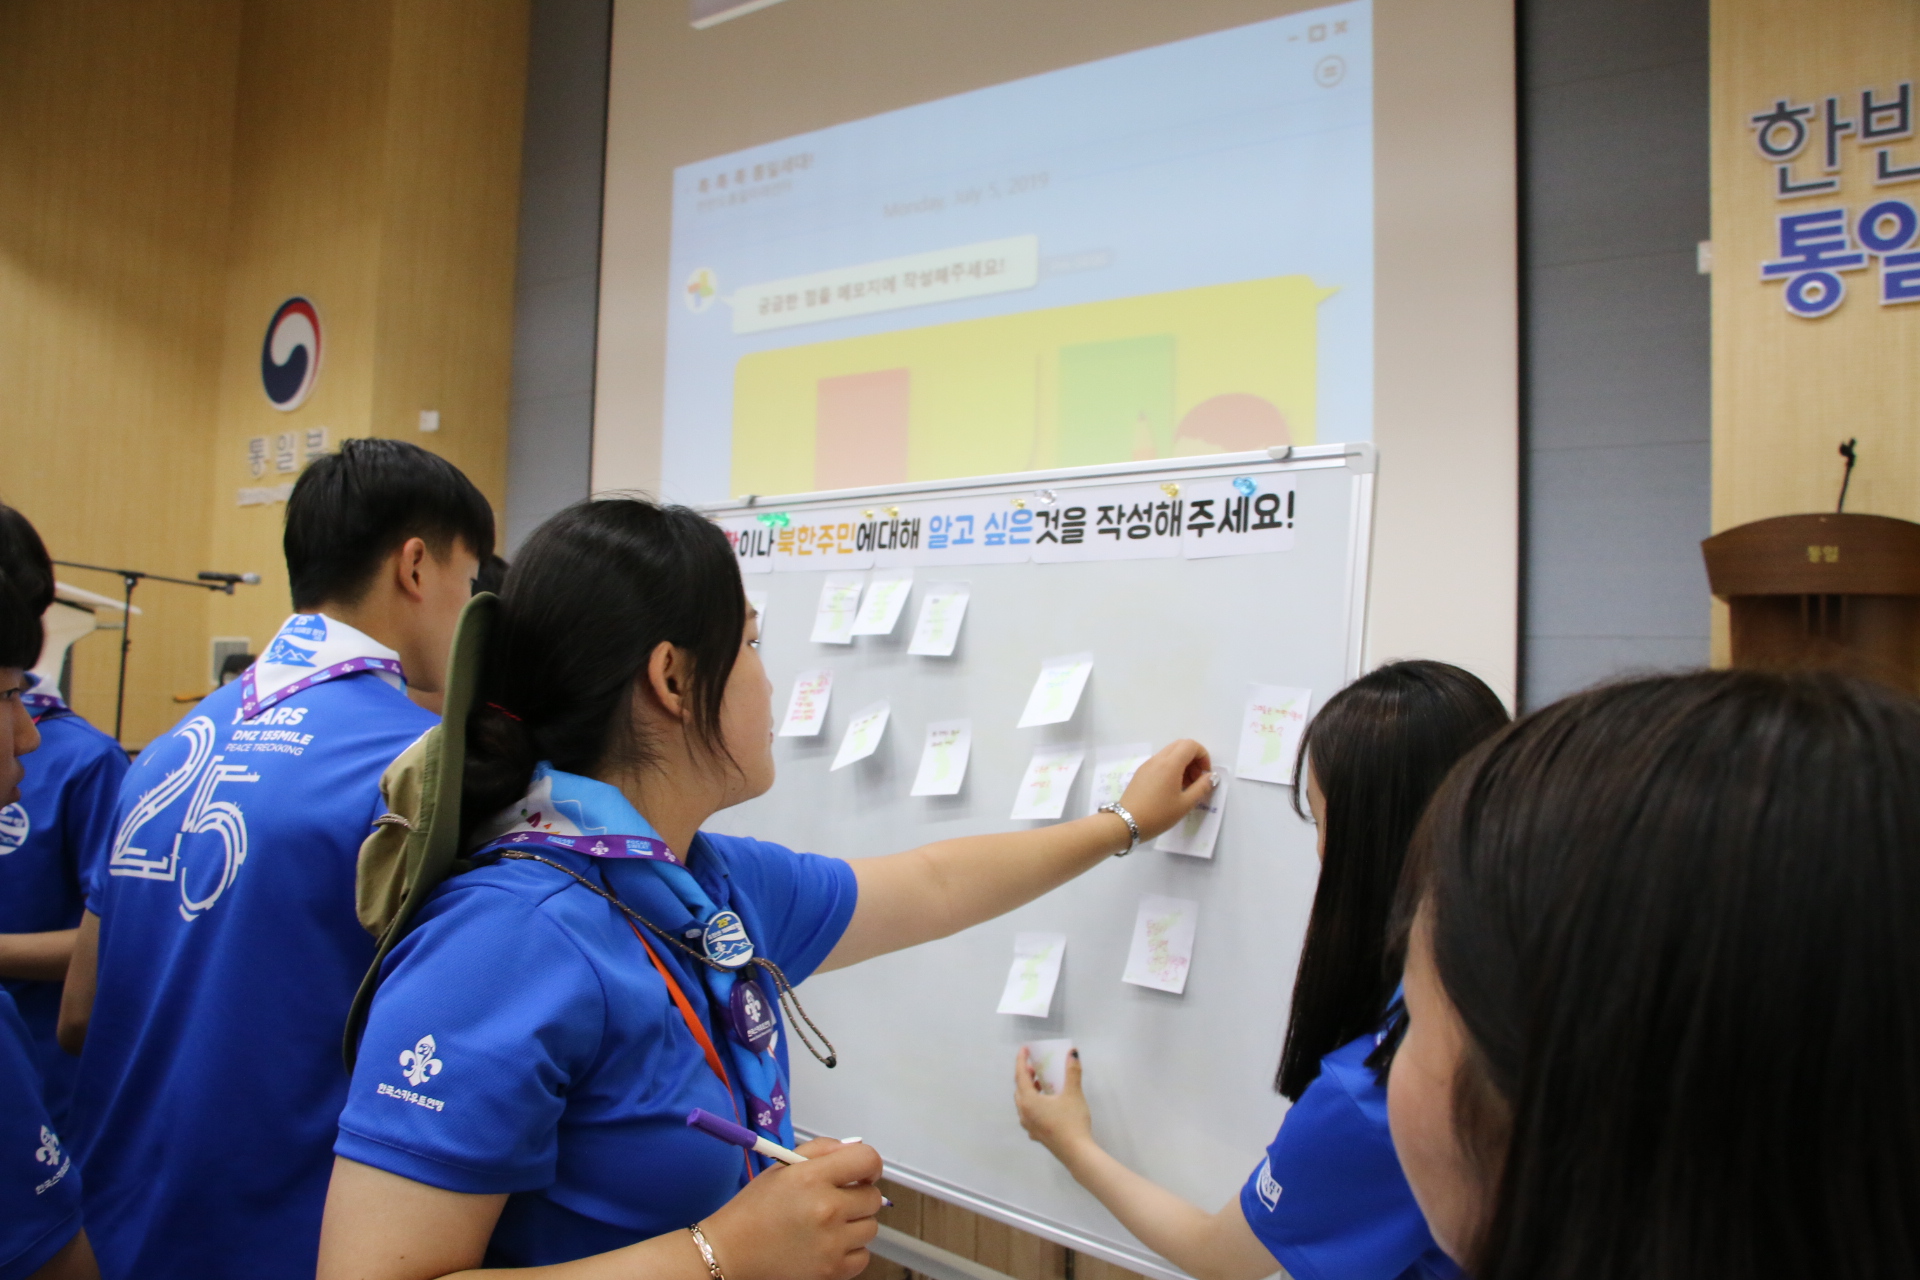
[(1839, 592)]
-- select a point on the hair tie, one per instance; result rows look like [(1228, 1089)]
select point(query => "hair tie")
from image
[(508, 714)]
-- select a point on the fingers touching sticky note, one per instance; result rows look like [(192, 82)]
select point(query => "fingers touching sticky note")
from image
[(1195, 835), (1035, 973), (1048, 1058)]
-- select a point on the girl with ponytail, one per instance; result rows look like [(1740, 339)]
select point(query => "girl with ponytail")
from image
[(542, 1032)]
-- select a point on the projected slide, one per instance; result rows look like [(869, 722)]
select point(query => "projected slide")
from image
[(1161, 254)]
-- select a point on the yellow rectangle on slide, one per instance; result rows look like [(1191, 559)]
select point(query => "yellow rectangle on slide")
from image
[(1217, 369)]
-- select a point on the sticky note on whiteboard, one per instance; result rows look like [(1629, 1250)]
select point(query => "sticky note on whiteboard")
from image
[(943, 761), (1044, 787), (1035, 973), (864, 732), (880, 610), (1270, 729), (807, 704), (839, 605), (1162, 948), (942, 609), (1113, 769), (1057, 692)]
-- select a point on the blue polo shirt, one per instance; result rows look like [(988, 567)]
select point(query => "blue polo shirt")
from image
[(1329, 1201), (521, 1042), (39, 1188), (51, 840), (229, 954)]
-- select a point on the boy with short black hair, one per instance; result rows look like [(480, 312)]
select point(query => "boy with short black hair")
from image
[(228, 947), (53, 835), (40, 1233)]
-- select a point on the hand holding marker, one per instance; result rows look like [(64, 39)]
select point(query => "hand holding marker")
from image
[(727, 1131)]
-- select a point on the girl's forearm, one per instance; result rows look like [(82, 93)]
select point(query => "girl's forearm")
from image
[(1182, 1233)]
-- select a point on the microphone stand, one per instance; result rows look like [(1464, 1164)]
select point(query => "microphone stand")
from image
[(131, 578)]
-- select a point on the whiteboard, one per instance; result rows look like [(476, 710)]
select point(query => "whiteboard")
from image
[(1181, 1086)]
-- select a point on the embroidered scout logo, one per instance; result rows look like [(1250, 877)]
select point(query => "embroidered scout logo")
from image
[(1266, 1188), (419, 1062), (15, 826)]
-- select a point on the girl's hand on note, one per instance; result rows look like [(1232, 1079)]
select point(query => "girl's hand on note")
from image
[(1057, 1121), (1172, 781), (807, 1221)]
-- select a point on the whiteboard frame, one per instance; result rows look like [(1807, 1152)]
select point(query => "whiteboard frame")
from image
[(1361, 458)]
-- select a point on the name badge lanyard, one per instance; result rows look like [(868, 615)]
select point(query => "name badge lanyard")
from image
[(252, 703), (727, 957)]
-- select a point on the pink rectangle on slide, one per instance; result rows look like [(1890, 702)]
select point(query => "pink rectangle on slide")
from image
[(860, 429)]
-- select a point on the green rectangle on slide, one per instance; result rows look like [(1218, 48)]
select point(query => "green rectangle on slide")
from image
[(1116, 400)]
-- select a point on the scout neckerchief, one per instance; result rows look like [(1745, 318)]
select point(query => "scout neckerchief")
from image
[(311, 649), (579, 815), (41, 702)]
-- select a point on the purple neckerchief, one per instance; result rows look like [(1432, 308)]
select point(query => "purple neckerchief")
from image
[(252, 704), (643, 847), (42, 705)]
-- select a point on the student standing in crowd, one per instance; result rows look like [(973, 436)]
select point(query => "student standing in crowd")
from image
[(227, 940), (555, 1013), (1329, 1199), (40, 1233), (1663, 987), (52, 837)]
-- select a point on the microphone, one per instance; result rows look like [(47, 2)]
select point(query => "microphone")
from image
[(229, 579)]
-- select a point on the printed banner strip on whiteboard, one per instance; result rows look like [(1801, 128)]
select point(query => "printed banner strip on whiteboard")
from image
[(1243, 509)]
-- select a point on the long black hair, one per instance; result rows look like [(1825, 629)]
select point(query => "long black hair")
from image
[(1676, 917), (589, 597), (26, 589), (1378, 749)]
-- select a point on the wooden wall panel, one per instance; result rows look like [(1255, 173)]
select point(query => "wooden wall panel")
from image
[(1787, 390), (116, 129)]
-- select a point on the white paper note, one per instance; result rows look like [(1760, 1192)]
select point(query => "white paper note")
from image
[(886, 596), (1113, 769), (943, 761), (1057, 692), (1035, 973), (1048, 1059), (1162, 946), (1270, 730), (1195, 834), (863, 734), (757, 601), (1049, 776), (942, 609), (807, 704), (839, 605)]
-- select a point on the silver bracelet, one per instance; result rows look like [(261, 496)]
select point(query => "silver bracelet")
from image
[(1133, 828), (706, 1252)]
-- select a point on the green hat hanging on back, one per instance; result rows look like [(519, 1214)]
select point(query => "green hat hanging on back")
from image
[(416, 843)]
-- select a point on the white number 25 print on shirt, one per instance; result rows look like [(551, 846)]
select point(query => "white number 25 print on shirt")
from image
[(201, 773)]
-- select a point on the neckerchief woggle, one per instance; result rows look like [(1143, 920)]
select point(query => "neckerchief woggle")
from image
[(311, 649), (42, 703), (580, 815)]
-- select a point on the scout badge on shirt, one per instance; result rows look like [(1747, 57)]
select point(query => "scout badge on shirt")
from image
[(726, 941)]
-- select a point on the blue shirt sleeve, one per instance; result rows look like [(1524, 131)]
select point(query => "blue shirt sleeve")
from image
[(802, 902), (39, 1188), (90, 806), (489, 1013), (1329, 1201)]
